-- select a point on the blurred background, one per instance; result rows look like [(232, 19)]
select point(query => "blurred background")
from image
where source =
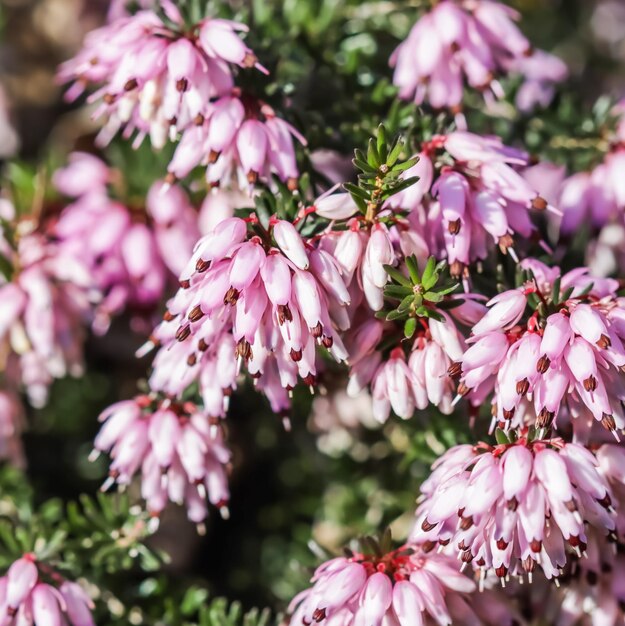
[(336, 475)]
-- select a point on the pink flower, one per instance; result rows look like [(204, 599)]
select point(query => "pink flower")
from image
[(238, 139), (45, 298), (360, 253), (156, 79), (180, 456), (542, 72), (403, 382), (407, 586), (265, 303), (478, 202), (470, 42), (593, 592), (83, 175), (175, 224), (392, 388), (515, 507), (597, 196), (220, 204), (26, 599), (129, 253), (568, 354), (121, 256), (21, 580)]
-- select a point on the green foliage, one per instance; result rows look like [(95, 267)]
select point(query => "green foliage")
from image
[(381, 173), (105, 531), (419, 294), (219, 613), (162, 606)]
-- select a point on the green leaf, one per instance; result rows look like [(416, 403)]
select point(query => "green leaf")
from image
[(396, 275), (433, 296), (356, 191), (429, 277), (382, 144), (193, 599), (405, 304), (396, 291), (396, 150), (410, 327), (395, 315), (386, 541), (532, 300), (6, 268), (406, 165), (413, 269), (448, 289), (501, 437), (364, 166), (401, 185), (450, 304), (373, 156), (434, 314)]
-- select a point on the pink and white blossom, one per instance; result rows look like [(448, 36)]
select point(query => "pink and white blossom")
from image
[(405, 382), (178, 452), (463, 210), (28, 598), (130, 252), (569, 356), (514, 508), (154, 79), (46, 300), (407, 586), (263, 302), (471, 42), (239, 140)]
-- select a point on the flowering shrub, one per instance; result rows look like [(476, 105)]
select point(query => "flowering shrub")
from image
[(397, 227)]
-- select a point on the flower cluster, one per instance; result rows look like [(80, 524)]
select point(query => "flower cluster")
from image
[(161, 78), (515, 507), (45, 298), (239, 139), (155, 79), (26, 599), (263, 300), (597, 196), (128, 252), (405, 383), (471, 197), (565, 349), (361, 251), (405, 586), (472, 42), (178, 451), (591, 590)]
